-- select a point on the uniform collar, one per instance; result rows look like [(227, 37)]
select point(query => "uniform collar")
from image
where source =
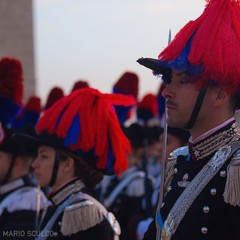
[(70, 188), (207, 144)]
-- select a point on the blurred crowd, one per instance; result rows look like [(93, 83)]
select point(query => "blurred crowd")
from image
[(109, 166), (29, 196)]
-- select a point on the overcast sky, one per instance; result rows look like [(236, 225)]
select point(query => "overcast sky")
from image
[(98, 40)]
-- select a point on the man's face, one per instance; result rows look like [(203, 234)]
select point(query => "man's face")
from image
[(180, 96), (5, 160)]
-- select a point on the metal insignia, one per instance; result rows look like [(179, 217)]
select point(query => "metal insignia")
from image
[(219, 157), (179, 151)]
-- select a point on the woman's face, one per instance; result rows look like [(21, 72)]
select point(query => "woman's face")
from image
[(43, 165)]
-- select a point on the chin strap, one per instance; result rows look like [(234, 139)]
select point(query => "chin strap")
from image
[(55, 169), (197, 107)]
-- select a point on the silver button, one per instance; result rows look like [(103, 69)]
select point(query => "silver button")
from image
[(223, 173), (169, 188), (204, 230), (213, 191), (175, 170), (206, 209)]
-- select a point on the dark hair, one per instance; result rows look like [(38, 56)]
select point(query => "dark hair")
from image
[(85, 171), (235, 101)]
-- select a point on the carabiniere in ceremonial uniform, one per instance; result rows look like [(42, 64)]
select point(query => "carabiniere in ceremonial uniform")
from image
[(208, 182)]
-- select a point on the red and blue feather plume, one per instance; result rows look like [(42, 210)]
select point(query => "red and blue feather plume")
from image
[(127, 84), (55, 94), (198, 47), (147, 109), (11, 89), (79, 85), (29, 114), (87, 122)]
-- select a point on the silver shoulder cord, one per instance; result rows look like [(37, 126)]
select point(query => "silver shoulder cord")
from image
[(164, 159)]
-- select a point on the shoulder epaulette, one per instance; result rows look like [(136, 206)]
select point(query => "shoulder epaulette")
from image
[(80, 216), (171, 162), (184, 151), (24, 198), (232, 188)]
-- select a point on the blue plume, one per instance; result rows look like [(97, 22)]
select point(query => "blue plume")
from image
[(8, 111), (73, 132)]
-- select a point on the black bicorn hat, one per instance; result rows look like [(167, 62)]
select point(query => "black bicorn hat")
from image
[(10, 144)]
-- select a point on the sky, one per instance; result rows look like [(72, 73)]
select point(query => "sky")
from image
[(98, 40)]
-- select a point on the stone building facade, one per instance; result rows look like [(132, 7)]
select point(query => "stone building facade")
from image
[(17, 38)]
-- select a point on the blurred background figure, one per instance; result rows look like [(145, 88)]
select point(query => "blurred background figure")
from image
[(127, 84), (79, 85), (147, 111), (148, 118), (11, 90), (29, 114), (55, 94), (153, 148), (127, 194), (176, 138), (19, 196)]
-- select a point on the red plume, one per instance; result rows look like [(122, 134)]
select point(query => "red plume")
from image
[(215, 43), (11, 79), (79, 85), (33, 104), (55, 94), (149, 102), (87, 121), (127, 84)]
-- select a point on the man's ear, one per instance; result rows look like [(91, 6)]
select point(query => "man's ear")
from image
[(221, 97)]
